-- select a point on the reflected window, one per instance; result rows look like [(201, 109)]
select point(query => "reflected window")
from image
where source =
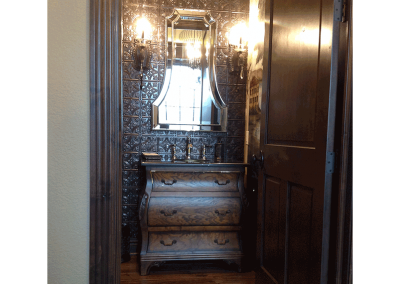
[(189, 98), (185, 104)]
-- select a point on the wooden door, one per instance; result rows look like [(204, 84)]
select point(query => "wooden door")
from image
[(297, 129)]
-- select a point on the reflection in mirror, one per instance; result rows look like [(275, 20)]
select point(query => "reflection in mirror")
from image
[(189, 98)]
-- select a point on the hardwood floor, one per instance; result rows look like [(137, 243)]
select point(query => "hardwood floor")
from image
[(187, 272)]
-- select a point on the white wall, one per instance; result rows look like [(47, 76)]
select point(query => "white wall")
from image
[(68, 141)]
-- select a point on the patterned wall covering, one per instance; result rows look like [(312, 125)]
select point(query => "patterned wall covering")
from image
[(137, 134)]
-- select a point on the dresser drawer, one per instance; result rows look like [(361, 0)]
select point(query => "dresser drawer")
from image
[(191, 211), (195, 181), (193, 241)]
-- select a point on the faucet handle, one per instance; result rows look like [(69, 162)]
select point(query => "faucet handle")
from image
[(204, 150), (173, 151)]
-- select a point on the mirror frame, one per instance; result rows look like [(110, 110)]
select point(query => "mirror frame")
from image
[(210, 23)]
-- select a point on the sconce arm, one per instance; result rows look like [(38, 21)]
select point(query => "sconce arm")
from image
[(142, 56), (237, 59)]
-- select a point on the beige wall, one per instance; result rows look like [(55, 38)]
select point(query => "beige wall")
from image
[(68, 141)]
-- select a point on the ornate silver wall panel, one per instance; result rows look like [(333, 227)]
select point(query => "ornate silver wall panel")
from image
[(137, 136)]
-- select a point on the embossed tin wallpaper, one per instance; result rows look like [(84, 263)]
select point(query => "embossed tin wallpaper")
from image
[(137, 134)]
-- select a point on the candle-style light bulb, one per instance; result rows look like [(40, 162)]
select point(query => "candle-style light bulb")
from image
[(238, 35), (143, 28)]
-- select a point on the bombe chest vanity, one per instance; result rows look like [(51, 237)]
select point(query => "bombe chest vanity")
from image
[(191, 212)]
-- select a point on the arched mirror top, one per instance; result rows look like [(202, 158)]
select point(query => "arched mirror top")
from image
[(189, 98)]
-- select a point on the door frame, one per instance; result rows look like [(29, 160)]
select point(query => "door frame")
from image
[(344, 242), (105, 141)]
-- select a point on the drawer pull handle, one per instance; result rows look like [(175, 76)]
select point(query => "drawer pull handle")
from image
[(168, 182), (221, 243), (168, 213), (168, 244), (222, 183), (222, 213)]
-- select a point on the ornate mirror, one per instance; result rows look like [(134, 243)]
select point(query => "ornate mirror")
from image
[(189, 98)]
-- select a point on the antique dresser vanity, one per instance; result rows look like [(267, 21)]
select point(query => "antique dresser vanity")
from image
[(191, 212)]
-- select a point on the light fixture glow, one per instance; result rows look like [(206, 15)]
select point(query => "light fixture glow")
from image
[(238, 35), (143, 28), (238, 39)]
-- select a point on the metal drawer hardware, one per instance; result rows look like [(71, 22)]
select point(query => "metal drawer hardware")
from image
[(167, 182), (222, 183), (168, 244), (221, 213), (168, 213), (221, 243)]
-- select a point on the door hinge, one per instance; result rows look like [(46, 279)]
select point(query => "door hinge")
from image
[(340, 10), (330, 162)]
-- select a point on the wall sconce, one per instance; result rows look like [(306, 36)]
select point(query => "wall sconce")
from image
[(237, 48), (142, 49)]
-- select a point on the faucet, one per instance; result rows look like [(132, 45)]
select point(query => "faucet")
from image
[(189, 147), (204, 152), (173, 151)]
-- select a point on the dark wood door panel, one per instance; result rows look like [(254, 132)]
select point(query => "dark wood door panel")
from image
[(292, 234), (294, 72), (299, 165), (274, 227), (299, 227)]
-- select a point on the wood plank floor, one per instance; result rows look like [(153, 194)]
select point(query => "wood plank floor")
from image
[(187, 272)]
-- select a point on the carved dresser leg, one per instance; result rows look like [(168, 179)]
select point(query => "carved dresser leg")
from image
[(237, 262), (145, 267)]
